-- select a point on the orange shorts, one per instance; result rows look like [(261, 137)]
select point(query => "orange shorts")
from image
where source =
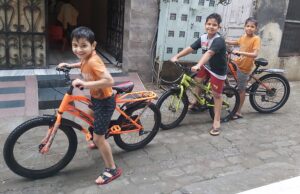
[(216, 84)]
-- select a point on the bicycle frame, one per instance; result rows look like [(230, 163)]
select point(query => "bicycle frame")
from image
[(186, 83), (66, 106), (232, 68)]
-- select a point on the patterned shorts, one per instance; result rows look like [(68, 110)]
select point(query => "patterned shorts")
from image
[(103, 111), (242, 80)]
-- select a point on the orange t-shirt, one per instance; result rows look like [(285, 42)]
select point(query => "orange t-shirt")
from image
[(247, 44), (92, 70)]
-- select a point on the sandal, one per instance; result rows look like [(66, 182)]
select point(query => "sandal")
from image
[(237, 116), (92, 146), (109, 175), (215, 131)]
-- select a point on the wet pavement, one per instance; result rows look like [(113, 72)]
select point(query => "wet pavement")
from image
[(251, 152)]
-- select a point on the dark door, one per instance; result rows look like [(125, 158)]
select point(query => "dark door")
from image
[(22, 34), (115, 26)]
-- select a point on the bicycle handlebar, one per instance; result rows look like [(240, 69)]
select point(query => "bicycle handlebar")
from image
[(229, 51), (66, 70)]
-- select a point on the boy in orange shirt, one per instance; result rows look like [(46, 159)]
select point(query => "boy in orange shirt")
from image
[(249, 46), (99, 81)]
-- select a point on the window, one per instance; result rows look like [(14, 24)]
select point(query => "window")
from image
[(194, 52), (181, 33), (169, 50), (175, 1), (180, 49), (183, 17), (173, 16), (196, 34), (186, 1), (171, 33), (290, 38), (198, 18), (212, 3), (201, 2)]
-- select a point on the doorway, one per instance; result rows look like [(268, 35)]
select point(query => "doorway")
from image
[(105, 18)]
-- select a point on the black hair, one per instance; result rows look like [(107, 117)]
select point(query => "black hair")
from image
[(83, 32), (251, 19), (215, 16)]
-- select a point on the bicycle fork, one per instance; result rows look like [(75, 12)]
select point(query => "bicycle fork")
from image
[(46, 143)]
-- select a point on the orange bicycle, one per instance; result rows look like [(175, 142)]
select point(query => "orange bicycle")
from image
[(44, 145)]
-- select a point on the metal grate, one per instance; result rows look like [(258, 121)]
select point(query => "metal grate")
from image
[(22, 34), (115, 28), (290, 39)]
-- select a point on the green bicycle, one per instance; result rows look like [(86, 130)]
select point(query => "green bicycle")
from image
[(174, 103)]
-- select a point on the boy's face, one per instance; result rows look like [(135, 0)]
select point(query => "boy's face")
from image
[(250, 28), (82, 48), (212, 26)]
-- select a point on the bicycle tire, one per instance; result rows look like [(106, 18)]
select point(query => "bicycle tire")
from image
[(15, 139), (228, 94), (265, 97), (169, 111), (148, 135)]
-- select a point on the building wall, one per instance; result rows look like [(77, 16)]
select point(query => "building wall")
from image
[(271, 16), (140, 24)]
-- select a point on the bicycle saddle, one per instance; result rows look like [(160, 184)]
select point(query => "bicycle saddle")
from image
[(261, 62), (125, 87)]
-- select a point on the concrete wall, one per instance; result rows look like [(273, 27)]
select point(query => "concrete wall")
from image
[(140, 23), (271, 16)]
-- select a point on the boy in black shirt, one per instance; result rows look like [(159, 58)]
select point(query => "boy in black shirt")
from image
[(211, 65)]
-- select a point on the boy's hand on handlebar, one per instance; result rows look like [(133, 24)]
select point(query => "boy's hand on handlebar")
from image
[(195, 68), (61, 65), (174, 59), (77, 83), (236, 52)]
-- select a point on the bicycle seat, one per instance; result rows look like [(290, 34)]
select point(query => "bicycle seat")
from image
[(125, 87), (261, 62)]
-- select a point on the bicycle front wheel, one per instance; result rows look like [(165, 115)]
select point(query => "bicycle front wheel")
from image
[(172, 108), (21, 149), (149, 118), (230, 104), (268, 101)]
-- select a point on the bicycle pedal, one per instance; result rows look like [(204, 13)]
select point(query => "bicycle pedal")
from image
[(115, 129)]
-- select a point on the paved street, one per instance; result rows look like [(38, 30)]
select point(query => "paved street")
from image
[(251, 152)]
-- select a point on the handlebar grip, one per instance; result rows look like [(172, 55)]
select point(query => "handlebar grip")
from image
[(80, 87)]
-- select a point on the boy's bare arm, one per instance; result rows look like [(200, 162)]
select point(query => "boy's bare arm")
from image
[(72, 65), (204, 59), (253, 54), (232, 42), (182, 53)]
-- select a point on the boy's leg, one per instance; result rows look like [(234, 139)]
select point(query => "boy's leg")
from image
[(242, 84), (201, 75), (217, 88)]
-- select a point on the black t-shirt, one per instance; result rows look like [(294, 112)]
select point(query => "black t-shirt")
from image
[(216, 63)]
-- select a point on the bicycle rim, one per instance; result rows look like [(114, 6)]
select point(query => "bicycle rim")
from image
[(148, 117), (266, 101), (172, 108), (22, 150)]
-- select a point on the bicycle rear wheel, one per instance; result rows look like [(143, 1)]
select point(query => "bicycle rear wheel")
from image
[(21, 149), (172, 108), (231, 102), (149, 119), (268, 101)]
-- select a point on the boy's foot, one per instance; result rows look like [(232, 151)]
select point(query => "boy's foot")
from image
[(215, 131), (108, 175), (92, 146), (237, 116)]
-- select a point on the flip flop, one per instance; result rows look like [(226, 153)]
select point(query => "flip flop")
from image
[(215, 131), (236, 116)]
